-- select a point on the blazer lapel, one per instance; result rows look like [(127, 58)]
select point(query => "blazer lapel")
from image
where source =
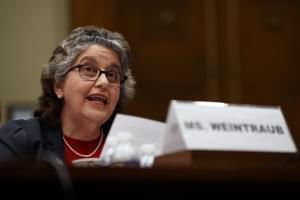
[(53, 144)]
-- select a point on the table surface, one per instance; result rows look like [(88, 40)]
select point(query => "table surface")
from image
[(157, 182)]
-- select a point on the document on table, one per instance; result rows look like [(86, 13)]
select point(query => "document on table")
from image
[(143, 131)]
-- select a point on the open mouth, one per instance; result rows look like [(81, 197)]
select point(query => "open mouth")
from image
[(100, 99)]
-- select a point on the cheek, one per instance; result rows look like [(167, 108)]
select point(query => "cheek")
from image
[(76, 91), (115, 97)]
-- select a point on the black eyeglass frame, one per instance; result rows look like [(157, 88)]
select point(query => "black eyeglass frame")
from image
[(123, 77)]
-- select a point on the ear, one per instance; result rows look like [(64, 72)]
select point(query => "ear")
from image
[(58, 89)]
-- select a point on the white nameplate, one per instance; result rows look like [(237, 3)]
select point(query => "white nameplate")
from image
[(219, 126)]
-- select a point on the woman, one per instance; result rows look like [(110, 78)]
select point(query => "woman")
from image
[(85, 83)]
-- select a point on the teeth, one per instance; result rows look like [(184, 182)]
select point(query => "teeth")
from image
[(97, 99)]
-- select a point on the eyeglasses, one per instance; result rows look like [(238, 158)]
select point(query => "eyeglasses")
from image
[(92, 73)]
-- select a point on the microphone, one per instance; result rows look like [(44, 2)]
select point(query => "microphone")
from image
[(62, 173)]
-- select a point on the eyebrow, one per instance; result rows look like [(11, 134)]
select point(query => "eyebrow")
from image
[(94, 61), (115, 66), (89, 59)]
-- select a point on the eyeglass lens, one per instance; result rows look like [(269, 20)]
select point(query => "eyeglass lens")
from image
[(93, 72)]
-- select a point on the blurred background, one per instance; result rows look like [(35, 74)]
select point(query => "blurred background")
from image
[(233, 51)]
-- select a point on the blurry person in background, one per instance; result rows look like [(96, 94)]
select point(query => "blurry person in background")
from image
[(86, 82)]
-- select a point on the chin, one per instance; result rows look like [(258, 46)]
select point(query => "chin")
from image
[(98, 117)]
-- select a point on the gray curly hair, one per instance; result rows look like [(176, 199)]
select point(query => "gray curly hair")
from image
[(64, 56)]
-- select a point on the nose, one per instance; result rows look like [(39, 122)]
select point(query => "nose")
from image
[(102, 81)]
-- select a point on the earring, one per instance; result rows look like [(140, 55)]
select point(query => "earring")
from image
[(59, 96)]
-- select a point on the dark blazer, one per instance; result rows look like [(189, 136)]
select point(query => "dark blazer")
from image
[(31, 139)]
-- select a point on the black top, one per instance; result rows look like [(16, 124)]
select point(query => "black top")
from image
[(31, 139)]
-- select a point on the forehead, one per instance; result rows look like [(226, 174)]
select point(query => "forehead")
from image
[(101, 55)]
